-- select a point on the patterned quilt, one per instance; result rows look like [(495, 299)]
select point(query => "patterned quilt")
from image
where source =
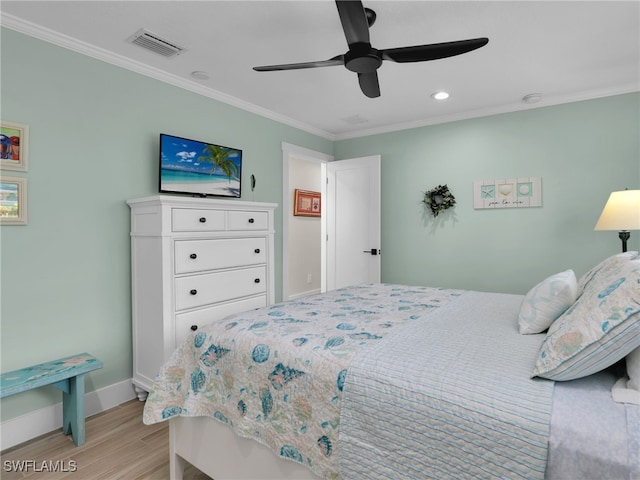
[(276, 374)]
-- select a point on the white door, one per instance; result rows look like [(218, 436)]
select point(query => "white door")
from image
[(353, 222)]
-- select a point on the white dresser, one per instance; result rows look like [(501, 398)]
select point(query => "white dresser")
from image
[(193, 261)]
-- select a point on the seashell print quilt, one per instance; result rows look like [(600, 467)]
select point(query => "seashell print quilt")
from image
[(276, 374)]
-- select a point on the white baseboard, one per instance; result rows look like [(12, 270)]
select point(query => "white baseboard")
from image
[(33, 424), (303, 294)]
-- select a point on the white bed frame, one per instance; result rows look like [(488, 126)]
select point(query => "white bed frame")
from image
[(215, 450)]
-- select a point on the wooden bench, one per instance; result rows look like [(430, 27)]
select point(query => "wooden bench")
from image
[(67, 374)]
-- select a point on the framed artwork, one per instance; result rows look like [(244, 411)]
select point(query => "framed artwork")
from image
[(13, 201), (508, 193), (307, 203), (14, 143)]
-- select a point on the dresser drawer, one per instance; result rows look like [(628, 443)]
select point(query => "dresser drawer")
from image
[(197, 220), (197, 290), (201, 255), (204, 316), (248, 220)]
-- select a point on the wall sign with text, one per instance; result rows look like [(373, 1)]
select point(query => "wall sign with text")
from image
[(508, 193)]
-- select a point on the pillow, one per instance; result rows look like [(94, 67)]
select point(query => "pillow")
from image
[(602, 327), (547, 301), (604, 266)]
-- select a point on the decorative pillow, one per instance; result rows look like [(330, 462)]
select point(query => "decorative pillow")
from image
[(602, 327), (547, 301), (609, 263)]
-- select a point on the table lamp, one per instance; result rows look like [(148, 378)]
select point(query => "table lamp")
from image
[(622, 213)]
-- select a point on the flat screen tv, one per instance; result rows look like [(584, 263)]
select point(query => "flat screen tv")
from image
[(198, 168)]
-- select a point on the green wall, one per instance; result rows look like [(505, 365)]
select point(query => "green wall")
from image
[(93, 145), (582, 151)]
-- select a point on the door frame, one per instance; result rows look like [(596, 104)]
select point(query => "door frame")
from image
[(289, 150)]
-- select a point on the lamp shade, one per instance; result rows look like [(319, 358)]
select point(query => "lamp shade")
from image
[(622, 211)]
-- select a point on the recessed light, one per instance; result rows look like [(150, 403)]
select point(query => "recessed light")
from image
[(200, 75), (440, 95)]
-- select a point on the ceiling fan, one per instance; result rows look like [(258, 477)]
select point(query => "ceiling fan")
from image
[(364, 60)]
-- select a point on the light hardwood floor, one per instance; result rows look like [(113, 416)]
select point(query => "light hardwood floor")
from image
[(118, 446)]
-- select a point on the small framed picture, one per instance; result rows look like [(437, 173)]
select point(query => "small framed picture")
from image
[(307, 204), (14, 143), (13, 201)]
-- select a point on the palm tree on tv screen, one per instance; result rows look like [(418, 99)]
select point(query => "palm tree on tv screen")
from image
[(219, 157)]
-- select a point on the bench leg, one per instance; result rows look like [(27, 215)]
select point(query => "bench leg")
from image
[(73, 410)]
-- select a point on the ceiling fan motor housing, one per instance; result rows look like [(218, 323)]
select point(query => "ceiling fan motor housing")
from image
[(362, 58)]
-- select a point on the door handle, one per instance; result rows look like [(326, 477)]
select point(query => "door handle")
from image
[(373, 251)]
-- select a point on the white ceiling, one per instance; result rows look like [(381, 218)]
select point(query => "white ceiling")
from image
[(564, 50)]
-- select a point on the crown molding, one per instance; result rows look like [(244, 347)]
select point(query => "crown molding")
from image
[(37, 31), (486, 112)]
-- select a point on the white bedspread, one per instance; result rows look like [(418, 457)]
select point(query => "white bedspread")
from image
[(593, 437), (451, 399)]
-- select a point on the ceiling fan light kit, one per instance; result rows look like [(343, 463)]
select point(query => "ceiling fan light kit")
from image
[(363, 59)]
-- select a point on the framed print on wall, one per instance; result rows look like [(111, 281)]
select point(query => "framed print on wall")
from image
[(13, 201), (14, 142), (507, 193), (307, 203)]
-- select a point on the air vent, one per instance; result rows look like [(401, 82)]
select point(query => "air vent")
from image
[(153, 42)]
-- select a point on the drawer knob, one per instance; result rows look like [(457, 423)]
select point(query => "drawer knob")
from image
[(251, 220), (194, 327), (193, 292), (257, 250), (257, 280), (203, 219), (193, 255)]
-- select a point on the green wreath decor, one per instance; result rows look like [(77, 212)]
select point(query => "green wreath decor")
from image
[(439, 199)]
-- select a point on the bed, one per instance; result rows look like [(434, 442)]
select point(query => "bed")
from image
[(403, 382)]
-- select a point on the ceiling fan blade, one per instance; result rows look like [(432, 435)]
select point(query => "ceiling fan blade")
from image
[(434, 51), (369, 84), (337, 60), (354, 21)]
